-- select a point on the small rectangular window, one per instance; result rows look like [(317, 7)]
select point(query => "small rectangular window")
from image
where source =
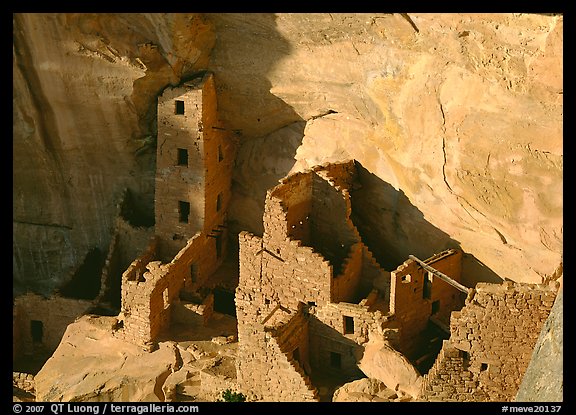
[(348, 325), (184, 211), (335, 360), (179, 108), (182, 157)]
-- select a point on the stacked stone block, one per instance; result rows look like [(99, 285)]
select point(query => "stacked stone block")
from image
[(23, 381), (54, 313), (494, 334), (449, 378), (282, 274), (409, 303)]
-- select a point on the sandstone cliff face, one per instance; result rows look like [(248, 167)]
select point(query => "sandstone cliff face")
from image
[(457, 116)]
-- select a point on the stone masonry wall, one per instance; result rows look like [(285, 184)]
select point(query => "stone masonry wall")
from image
[(285, 259), (176, 182), (266, 367), (341, 175), (330, 334), (449, 378), (280, 274), (135, 303), (218, 159), (333, 233), (288, 207), (408, 300), (345, 285), (54, 313), (149, 287), (494, 334)]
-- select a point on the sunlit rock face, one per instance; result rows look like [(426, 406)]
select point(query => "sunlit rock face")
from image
[(456, 119)]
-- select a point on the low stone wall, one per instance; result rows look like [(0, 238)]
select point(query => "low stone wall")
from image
[(23, 381), (50, 315)]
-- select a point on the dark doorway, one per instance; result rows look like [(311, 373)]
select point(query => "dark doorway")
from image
[(184, 211), (348, 325), (182, 157), (37, 331), (224, 302), (335, 360), (179, 107)]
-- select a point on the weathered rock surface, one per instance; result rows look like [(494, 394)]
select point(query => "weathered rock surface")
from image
[(364, 390), (91, 365), (385, 364), (544, 378), (460, 114)]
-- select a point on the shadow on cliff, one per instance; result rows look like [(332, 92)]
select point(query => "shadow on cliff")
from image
[(394, 228), (247, 49)]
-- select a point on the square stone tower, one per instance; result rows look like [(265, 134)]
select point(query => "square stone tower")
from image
[(192, 167)]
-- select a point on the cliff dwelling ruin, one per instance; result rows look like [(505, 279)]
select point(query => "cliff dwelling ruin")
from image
[(306, 302), (324, 207)]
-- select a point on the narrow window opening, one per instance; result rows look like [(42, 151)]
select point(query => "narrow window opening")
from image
[(483, 367), (179, 107), (220, 155), (427, 287), (37, 331), (348, 325), (183, 157), (184, 211), (465, 359), (335, 360)]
